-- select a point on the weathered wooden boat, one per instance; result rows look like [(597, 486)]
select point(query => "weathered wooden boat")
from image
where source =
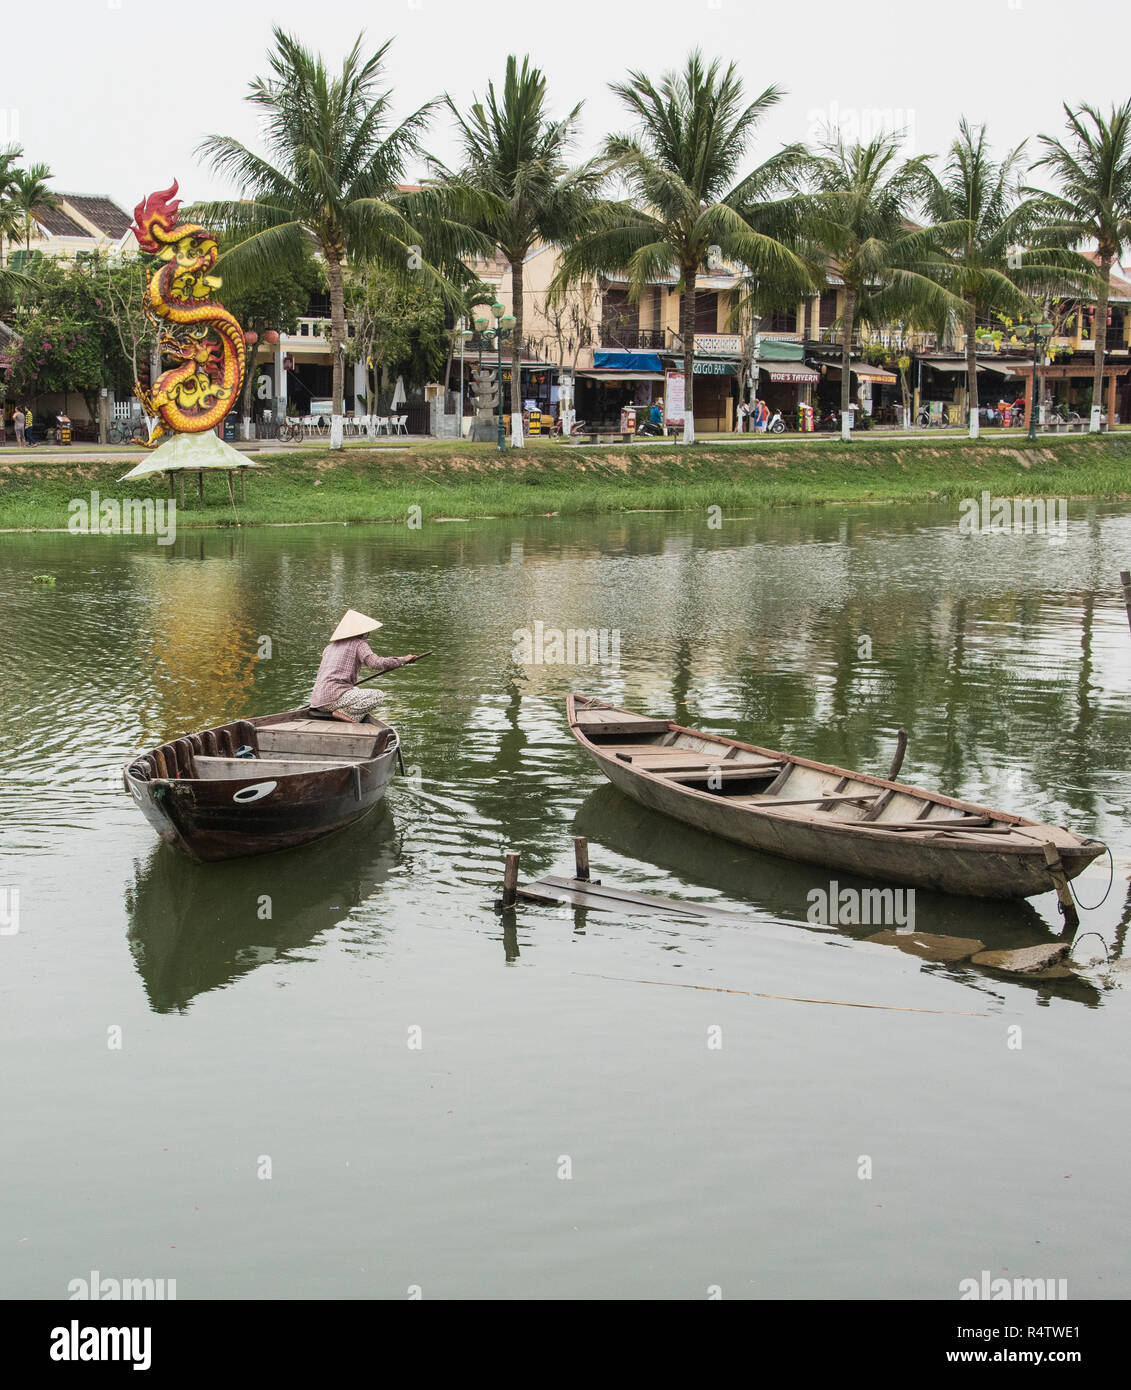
[(299, 779), (810, 811)]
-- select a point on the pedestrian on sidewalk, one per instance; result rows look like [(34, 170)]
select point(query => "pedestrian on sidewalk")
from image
[(19, 420)]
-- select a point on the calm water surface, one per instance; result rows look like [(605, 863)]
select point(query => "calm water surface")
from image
[(556, 1043)]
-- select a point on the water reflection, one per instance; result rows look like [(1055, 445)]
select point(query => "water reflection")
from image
[(779, 888), (199, 927)]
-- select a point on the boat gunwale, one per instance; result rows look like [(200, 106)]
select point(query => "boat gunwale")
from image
[(966, 844), (259, 721)]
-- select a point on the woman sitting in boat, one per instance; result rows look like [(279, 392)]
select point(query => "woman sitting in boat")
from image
[(335, 689)]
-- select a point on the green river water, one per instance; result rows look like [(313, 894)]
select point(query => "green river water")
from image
[(384, 1085)]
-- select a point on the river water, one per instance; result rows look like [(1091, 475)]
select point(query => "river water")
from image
[(338, 1072)]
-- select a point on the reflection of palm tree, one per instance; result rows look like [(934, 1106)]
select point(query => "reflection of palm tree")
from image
[(1120, 939), (684, 664)]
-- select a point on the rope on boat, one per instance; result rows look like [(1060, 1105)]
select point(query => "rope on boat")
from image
[(1110, 880)]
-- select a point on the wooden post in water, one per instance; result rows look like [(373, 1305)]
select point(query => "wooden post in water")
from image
[(231, 489), (510, 881), (1125, 580), (181, 479), (581, 858), (1063, 892)]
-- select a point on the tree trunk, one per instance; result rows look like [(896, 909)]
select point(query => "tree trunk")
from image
[(334, 255), (972, 402), (1099, 341), (687, 333), (846, 362), (516, 346), (248, 381)]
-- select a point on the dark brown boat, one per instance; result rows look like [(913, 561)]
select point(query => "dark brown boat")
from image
[(304, 778), (825, 815)]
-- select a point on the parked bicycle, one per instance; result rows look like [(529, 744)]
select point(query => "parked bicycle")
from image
[(127, 432), (289, 431)]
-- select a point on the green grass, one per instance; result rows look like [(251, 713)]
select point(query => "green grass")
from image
[(470, 480)]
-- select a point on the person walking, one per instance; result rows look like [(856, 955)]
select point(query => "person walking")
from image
[(740, 414), (19, 420), (29, 420)]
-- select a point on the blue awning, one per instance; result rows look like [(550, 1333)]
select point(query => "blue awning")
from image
[(628, 361)]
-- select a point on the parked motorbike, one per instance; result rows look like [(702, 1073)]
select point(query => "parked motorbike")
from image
[(776, 424), (830, 420)]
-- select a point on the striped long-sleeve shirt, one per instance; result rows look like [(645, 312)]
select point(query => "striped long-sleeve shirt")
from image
[(341, 661)]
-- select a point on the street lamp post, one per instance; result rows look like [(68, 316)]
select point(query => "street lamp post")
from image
[(504, 326), (1040, 332)]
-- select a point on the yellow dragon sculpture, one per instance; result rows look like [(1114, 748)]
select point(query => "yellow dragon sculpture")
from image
[(197, 394)]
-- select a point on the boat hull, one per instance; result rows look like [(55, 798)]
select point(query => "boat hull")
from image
[(942, 863), (262, 811)]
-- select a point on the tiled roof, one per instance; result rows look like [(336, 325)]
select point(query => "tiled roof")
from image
[(57, 223), (104, 213)]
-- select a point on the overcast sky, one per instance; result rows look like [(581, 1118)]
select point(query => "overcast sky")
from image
[(115, 95)]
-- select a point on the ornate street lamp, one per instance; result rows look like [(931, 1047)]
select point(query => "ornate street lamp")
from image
[(1040, 332), (504, 328)]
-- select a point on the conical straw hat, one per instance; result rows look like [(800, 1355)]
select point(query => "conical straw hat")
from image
[(354, 624)]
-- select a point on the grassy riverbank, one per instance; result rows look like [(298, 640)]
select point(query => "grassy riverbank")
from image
[(462, 480)]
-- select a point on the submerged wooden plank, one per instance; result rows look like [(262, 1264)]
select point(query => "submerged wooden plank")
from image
[(609, 897)]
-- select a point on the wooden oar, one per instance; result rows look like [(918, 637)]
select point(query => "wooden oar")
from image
[(419, 657)]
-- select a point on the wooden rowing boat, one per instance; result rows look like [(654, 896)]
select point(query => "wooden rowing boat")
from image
[(825, 815), (306, 778)]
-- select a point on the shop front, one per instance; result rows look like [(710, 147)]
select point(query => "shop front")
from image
[(617, 381), (785, 382), (874, 391), (716, 392)]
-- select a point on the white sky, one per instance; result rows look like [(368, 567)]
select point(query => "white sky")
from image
[(115, 95)]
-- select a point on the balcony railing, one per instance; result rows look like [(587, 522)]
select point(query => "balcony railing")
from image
[(613, 335), (315, 329)]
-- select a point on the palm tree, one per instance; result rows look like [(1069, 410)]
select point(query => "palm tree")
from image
[(1093, 204), (9, 213), (32, 196), (978, 224), (335, 161), (856, 213), (515, 183), (682, 170)]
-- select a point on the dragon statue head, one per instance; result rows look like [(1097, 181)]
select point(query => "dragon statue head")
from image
[(193, 247)]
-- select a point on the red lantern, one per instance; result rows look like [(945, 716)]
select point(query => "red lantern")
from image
[(271, 336), (251, 338)]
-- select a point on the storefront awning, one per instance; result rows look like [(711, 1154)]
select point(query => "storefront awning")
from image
[(954, 367), (866, 372), (631, 361), (621, 376), (1000, 368), (780, 350)]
